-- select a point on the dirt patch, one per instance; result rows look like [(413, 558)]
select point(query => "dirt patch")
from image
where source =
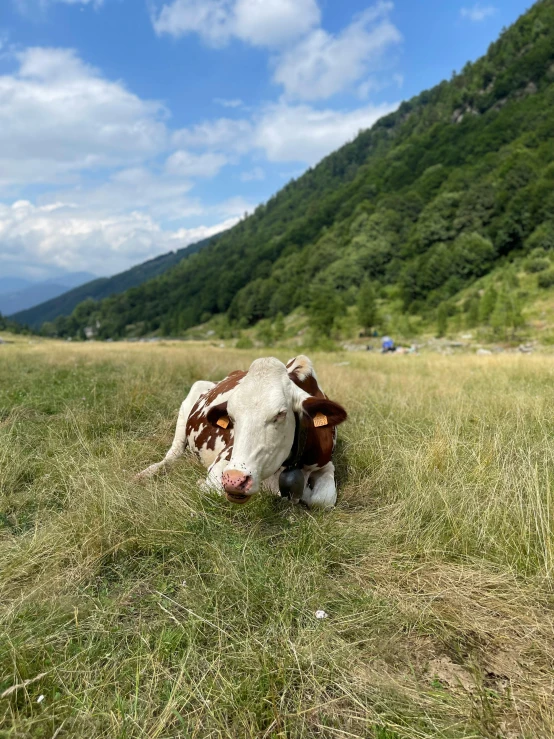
[(451, 675)]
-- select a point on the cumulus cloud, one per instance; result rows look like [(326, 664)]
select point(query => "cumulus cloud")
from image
[(274, 22), (227, 134), (185, 164), (323, 64), (302, 134), (61, 120), (478, 12), (59, 116), (284, 132), (58, 237), (258, 22), (310, 64)]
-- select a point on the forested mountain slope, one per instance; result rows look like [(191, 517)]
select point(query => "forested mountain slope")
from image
[(431, 198), (64, 304)]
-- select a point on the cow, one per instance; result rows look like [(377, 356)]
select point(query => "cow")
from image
[(272, 424)]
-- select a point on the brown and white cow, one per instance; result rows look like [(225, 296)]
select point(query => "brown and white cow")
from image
[(253, 425)]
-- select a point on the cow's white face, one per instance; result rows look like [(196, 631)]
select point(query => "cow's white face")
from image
[(262, 412)]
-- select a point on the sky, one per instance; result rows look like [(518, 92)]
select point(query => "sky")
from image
[(130, 128)]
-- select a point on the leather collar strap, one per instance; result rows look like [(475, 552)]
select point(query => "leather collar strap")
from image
[(298, 445), (291, 479)]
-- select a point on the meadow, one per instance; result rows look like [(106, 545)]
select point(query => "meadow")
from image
[(160, 610)]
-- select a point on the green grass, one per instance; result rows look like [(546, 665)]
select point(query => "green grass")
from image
[(159, 610)]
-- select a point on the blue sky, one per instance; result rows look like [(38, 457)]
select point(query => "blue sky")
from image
[(129, 128)]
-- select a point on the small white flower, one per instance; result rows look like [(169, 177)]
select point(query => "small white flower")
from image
[(321, 614), (184, 583), (40, 699)]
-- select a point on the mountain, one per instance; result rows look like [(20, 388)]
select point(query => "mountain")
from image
[(13, 284), (31, 294), (454, 183), (66, 301)]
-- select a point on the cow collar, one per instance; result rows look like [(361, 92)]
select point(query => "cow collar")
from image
[(291, 479)]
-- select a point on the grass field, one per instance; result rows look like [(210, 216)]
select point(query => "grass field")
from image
[(159, 610)]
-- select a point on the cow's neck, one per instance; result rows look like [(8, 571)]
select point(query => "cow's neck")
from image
[(291, 479)]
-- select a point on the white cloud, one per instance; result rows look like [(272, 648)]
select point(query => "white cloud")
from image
[(274, 22), (59, 116), (478, 12), (227, 134), (322, 65), (258, 22), (302, 134), (162, 196), (60, 120), (184, 164), (254, 175), (42, 239), (209, 18), (286, 133)]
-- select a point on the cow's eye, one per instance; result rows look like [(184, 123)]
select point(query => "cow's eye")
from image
[(280, 417)]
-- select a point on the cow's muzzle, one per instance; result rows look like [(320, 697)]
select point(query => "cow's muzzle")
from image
[(237, 486)]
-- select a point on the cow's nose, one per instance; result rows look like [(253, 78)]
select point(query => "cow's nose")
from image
[(236, 482)]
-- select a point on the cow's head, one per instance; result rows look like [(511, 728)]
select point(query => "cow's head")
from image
[(262, 410)]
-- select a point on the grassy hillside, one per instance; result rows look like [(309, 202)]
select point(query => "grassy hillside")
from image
[(457, 181), (65, 304), (163, 611)]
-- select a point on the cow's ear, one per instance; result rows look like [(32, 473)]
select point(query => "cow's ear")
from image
[(324, 412), (217, 416)]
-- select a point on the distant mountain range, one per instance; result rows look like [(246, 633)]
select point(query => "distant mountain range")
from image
[(17, 293), (13, 284), (64, 301)]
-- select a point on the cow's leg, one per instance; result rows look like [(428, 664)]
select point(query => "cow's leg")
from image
[(323, 493), (178, 447), (215, 472), (273, 483)]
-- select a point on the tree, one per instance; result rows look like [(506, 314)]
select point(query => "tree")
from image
[(486, 306), (264, 332), (472, 317), (367, 306), (442, 320), (324, 307), (279, 327), (507, 317)]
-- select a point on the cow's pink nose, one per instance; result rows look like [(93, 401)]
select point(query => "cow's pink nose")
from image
[(236, 482)]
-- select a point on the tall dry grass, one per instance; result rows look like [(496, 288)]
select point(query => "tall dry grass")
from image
[(162, 611)]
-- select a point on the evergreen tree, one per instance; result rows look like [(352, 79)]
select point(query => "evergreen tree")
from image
[(325, 307), (264, 332), (472, 316), (442, 320), (507, 317), (279, 327), (367, 306), (487, 304)]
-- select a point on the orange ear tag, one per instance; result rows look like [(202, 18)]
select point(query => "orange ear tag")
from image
[(223, 422), (320, 420)]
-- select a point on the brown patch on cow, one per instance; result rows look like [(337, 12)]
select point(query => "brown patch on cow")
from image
[(308, 383), (198, 421), (320, 442)]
